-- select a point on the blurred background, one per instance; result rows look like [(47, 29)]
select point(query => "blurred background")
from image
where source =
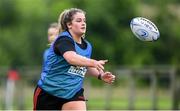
[(147, 73)]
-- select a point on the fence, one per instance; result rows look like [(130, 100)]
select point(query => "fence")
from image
[(23, 89), (152, 72)]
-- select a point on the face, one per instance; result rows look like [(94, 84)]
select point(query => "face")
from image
[(78, 24), (52, 34)]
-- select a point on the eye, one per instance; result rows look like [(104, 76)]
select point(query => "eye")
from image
[(78, 20)]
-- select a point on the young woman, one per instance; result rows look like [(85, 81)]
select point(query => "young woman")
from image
[(61, 84), (53, 32)]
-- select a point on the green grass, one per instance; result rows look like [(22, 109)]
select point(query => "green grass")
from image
[(119, 103), (118, 99)]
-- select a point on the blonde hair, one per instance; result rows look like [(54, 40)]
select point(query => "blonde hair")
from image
[(53, 25), (66, 17), (53, 31)]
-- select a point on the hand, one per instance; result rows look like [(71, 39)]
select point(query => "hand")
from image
[(99, 64), (108, 77)]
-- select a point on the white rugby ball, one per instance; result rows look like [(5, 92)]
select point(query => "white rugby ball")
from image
[(144, 29)]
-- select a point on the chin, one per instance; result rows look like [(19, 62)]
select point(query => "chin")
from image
[(82, 33)]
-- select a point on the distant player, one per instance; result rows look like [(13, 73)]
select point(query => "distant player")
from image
[(68, 60), (53, 32)]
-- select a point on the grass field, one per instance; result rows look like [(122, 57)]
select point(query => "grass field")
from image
[(119, 99), (120, 103), (104, 98)]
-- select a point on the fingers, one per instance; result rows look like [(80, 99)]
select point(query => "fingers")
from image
[(113, 78), (100, 67), (108, 77), (104, 61), (99, 64)]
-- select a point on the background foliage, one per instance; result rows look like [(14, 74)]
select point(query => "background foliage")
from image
[(23, 30)]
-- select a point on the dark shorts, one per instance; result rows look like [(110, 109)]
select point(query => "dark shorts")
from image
[(44, 101)]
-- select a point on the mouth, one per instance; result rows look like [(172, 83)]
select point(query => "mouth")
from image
[(83, 28)]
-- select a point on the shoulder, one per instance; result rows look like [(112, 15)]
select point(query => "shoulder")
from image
[(46, 51), (64, 38)]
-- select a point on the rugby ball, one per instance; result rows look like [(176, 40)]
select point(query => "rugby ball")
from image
[(144, 29)]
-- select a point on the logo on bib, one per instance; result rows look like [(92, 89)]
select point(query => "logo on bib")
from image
[(77, 70)]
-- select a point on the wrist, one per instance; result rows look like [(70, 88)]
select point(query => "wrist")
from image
[(99, 76), (91, 62), (94, 63)]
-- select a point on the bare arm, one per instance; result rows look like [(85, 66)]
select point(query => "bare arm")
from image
[(76, 59), (93, 72)]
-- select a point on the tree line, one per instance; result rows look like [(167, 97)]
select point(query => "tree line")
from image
[(24, 23)]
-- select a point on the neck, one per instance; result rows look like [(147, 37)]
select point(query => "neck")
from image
[(76, 37)]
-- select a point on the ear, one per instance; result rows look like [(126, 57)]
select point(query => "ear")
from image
[(69, 25)]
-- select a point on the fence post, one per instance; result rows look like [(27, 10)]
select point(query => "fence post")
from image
[(108, 97), (131, 90), (13, 76), (153, 76), (175, 89)]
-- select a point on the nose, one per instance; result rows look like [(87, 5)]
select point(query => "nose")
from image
[(83, 23)]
